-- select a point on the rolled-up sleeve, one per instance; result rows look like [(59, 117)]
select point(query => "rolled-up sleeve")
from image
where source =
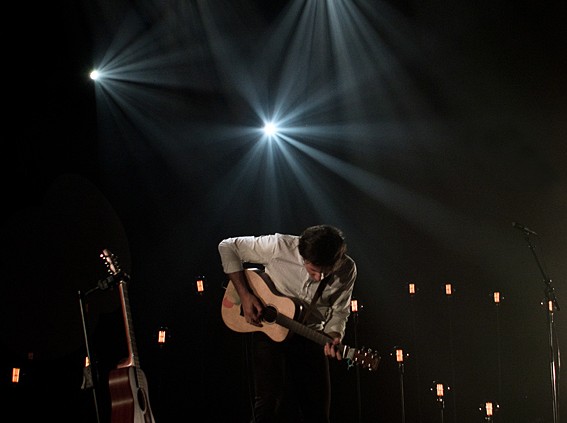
[(238, 250)]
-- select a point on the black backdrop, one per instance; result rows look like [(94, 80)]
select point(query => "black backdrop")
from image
[(438, 209)]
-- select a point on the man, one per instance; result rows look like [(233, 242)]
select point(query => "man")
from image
[(296, 370)]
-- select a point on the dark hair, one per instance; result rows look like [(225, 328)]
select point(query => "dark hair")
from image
[(322, 245)]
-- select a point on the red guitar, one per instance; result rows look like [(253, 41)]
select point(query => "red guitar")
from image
[(127, 382)]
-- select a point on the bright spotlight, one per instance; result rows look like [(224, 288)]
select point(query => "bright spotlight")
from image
[(270, 129), (94, 75)]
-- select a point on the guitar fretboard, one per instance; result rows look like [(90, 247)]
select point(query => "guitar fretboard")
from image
[(128, 325), (302, 330)]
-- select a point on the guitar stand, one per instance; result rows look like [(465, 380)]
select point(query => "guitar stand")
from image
[(89, 380)]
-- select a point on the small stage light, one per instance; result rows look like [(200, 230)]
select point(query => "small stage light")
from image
[(15, 375), (412, 289), (488, 410), (398, 352), (200, 284), (440, 390), (354, 305), (496, 297), (163, 335)]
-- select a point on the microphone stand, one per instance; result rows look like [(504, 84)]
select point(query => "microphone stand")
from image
[(402, 398), (551, 305), (357, 370)]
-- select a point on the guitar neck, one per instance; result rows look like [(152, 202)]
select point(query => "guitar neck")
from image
[(367, 358), (132, 359), (302, 330)]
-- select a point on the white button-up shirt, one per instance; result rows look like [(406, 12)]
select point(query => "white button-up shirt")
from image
[(279, 255)]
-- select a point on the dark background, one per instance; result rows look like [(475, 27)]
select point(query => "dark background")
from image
[(423, 134)]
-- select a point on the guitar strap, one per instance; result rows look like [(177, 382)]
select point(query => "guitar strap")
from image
[(316, 297)]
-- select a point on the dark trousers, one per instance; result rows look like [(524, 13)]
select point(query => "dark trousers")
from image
[(291, 380)]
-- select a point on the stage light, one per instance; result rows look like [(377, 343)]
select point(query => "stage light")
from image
[(412, 289), (270, 129), (448, 289), (488, 410), (94, 75), (354, 306), (497, 297), (163, 335), (200, 284), (440, 390), (15, 375), (550, 306), (398, 352)]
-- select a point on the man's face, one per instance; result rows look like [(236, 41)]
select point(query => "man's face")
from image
[(317, 273)]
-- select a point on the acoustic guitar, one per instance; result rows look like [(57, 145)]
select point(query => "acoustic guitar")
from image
[(127, 382), (280, 318)]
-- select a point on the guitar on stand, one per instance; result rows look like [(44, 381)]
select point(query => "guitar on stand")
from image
[(127, 382)]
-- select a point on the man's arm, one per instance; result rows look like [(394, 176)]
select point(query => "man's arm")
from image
[(251, 305)]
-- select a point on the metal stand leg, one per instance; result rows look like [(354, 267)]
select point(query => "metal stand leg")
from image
[(89, 380)]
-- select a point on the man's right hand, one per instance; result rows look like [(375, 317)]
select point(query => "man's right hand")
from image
[(252, 308)]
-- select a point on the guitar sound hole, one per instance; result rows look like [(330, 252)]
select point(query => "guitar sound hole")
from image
[(270, 314)]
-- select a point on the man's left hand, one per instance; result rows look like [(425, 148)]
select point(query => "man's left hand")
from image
[(332, 350)]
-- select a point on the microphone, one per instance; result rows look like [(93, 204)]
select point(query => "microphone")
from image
[(523, 228)]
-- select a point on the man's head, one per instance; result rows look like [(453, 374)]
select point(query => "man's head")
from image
[(322, 248)]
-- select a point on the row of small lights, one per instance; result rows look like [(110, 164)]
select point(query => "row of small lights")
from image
[(488, 408), (449, 291)]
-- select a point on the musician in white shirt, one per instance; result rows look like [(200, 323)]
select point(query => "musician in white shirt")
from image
[(295, 371)]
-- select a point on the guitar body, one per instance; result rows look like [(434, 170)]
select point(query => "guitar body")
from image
[(130, 403), (263, 288)]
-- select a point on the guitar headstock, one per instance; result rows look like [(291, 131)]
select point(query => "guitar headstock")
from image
[(111, 262), (364, 358)]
